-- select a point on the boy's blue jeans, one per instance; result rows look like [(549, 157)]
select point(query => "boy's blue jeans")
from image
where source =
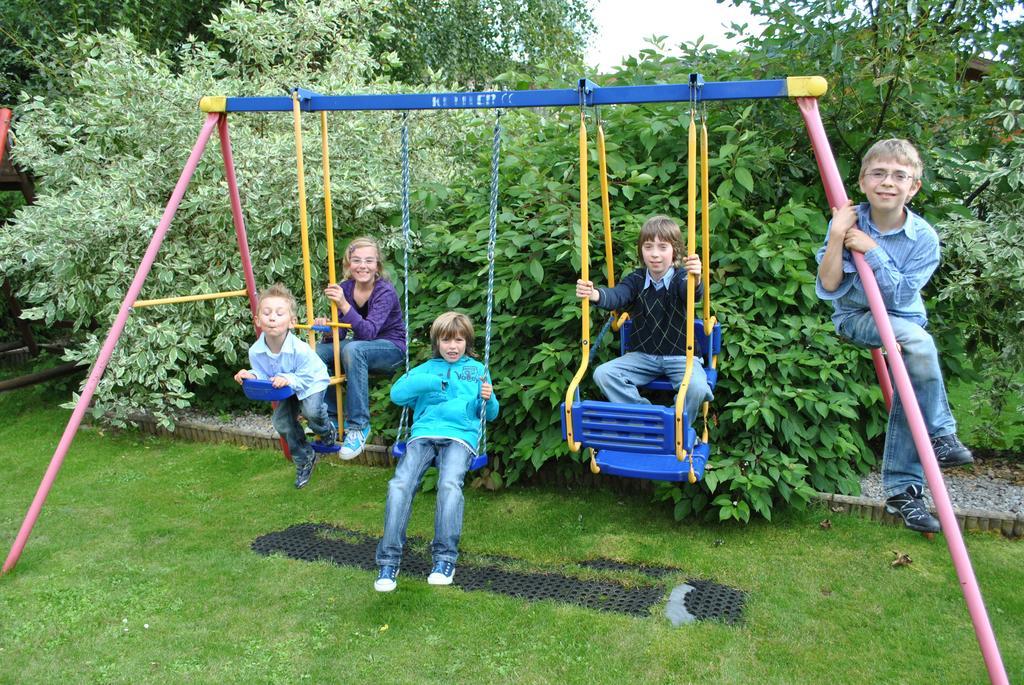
[(358, 359), (901, 467), (453, 460), (620, 378), (286, 422)]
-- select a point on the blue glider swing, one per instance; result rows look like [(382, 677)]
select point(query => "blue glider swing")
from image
[(399, 448), (645, 440)]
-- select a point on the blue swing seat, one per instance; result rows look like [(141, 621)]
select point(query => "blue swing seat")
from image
[(479, 461), (264, 390), (638, 440)]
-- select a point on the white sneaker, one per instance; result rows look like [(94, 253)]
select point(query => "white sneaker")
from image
[(442, 574), (387, 579)]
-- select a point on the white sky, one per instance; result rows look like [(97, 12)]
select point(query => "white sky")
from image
[(623, 26)]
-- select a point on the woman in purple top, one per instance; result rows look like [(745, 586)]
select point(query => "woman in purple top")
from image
[(368, 302)]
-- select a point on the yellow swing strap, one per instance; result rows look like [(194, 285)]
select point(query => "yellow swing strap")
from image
[(584, 302), (705, 240), (303, 218), (691, 247), (606, 216), (331, 269)]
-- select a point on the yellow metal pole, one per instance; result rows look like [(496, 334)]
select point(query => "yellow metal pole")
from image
[(332, 275), (190, 298), (303, 219), (585, 275), (306, 326)]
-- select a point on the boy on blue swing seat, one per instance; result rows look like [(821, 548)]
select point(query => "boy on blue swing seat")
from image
[(448, 393), (655, 298), (280, 357), (902, 250)]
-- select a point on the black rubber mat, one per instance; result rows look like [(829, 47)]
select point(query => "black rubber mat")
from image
[(316, 542)]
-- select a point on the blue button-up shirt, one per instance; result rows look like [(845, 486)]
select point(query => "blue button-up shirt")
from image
[(903, 262), (296, 361)]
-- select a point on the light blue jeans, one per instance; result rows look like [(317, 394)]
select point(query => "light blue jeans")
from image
[(619, 379), (453, 460), (358, 359), (901, 467), (286, 422)]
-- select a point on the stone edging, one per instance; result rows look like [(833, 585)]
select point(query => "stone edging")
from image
[(15, 357), (195, 431), (1010, 525)]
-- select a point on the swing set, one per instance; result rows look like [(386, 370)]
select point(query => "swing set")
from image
[(621, 439)]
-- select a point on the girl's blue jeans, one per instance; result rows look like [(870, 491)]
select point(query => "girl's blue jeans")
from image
[(901, 467), (452, 459), (358, 359)]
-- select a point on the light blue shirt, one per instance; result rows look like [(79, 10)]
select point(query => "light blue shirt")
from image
[(296, 361), (903, 262), (665, 281)]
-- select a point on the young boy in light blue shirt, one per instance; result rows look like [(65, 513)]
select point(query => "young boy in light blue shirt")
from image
[(280, 357), (448, 393), (902, 250)]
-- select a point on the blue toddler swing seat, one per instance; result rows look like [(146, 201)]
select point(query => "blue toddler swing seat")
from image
[(647, 441), (398, 450)]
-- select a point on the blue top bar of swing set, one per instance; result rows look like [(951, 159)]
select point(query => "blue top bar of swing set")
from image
[(565, 97)]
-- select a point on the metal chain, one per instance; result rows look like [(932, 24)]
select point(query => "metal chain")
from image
[(492, 239), (407, 243)]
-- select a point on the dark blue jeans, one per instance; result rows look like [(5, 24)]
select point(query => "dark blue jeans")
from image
[(286, 422)]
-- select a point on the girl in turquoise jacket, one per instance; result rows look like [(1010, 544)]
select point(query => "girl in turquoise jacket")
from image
[(448, 394)]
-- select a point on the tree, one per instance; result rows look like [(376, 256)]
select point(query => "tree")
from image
[(472, 42), (32, 30)]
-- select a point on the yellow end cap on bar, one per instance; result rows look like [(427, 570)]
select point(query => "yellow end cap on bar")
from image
[(806, 86), (213, 103)]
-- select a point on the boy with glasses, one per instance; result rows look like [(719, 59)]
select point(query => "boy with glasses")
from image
[(902, 250)]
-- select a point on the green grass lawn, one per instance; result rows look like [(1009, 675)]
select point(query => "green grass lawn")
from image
[(142, 532)]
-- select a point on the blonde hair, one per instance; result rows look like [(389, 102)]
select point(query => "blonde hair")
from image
[(894, 149), (281, 291), (448, 326), (662, 228), (357, 244)]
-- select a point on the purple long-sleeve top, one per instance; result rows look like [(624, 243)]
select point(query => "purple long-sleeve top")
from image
[(383, 319)]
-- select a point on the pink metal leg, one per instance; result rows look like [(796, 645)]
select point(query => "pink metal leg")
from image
[(108, 345), (5, 126), (882, 372), (954, 540), (243, 240)]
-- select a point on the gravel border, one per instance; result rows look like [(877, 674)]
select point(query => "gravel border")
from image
[(255, 431)]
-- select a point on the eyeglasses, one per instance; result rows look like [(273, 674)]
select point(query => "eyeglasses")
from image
[(360, 262), (879, 175)]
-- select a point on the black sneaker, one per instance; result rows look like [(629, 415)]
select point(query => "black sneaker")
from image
[(951, 452), (304, 472), (910, 505)]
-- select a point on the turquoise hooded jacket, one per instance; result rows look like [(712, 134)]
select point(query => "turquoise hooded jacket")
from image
[(445, 397)]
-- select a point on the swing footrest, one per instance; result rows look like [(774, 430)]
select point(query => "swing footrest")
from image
[(479, 461), (635, 428), (653, 466), (321, 448), (264, 391)]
